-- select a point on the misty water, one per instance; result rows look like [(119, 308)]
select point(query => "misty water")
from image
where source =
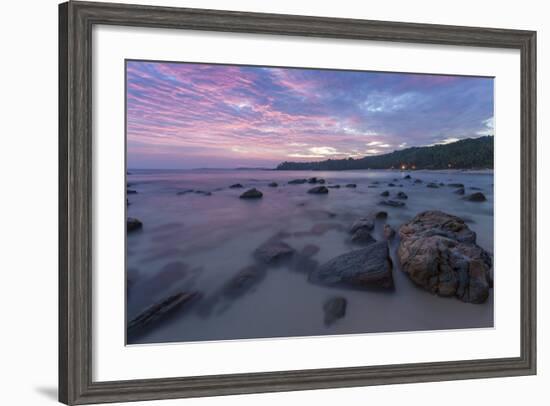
[(198, 242)]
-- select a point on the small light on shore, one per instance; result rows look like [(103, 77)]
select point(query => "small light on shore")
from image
[(403, 167), (413, 167), (450, 166)]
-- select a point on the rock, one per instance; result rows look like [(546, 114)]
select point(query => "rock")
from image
[(297, 181), (441, 184), (351, 185), (184, 192), (318, 190), (391, 184), (381, 215), (389, 232), (432, 185), (236, 186), (459, 185), (321, 181), (362, 236), (439, 253), (243, 281), (273, 184), (402, 195), (334, 186), (385, 193), (459, 191), (334, 309), (127, 202), (131, 191), (312, 180), (418, 181), (369, 267), (273, 251), (160, 310), (203, 192), (133, 224), (408, 177), (476, 197), (364, 222), (475, 188), (251, 194), (391, 203)]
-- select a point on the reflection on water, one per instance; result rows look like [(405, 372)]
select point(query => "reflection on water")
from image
[(198, 242)]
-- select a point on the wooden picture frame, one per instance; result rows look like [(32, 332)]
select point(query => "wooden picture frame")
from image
[(76, 20)]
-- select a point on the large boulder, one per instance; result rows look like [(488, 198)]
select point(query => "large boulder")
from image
[(369, 267), (439, 253)]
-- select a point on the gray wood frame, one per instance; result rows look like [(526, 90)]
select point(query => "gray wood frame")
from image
[(76, 20)]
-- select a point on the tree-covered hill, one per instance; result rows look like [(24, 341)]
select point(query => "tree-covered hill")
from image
[(470, 153)]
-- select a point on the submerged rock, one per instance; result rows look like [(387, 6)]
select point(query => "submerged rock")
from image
[(391, 184), (243, 281), (459, 185), (351, 185), (334, 308), (133, 224), (334, 186), (362, 236), (381, 215), (418, 181), (385, 193), (459, 191), (251, 194), (407, 177), (236, 186), (273, 184), (402, 195), (160, 310), (476, 197), (318, 190), (391, 203), (432, 185), (439, 253), (369, 267), (297, 181), (131, 191), (273, 251)]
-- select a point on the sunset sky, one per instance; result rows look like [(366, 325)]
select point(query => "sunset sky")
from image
[(185, 116)]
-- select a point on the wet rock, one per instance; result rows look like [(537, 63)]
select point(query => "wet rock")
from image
[(160, 310), (203, 192), (318, 190), (184, 192), (334, 308), (297, 181), (459, 185), (391, 184), (432, 185), (362, 236), (402, 195), (273, 184), (351, 185), (364, 222), (441, 184), (459, 191), (133, 224), (407, 177), (251, 194), (418, 181), (439, 253), (236, 186), (312, 180), (391, 203), (369, 267), (385, 193), (334, 186), (476, 197), (389, 232), (273, 252), (321, 181), (131, 192), (381, 215)]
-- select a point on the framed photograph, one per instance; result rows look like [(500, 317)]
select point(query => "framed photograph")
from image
[(257, 202)]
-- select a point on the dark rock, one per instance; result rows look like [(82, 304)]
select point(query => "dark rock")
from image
[(402, 195), (475, 188), (439, 253), (459, 191), (334, 309), (184, 192), (364, 222), (459, 185), (160, 310), (418, 181), (385, 193), (391, 184), (318, 190), (203, 192), (381, 215), (251, 194), (362, 236), (273, 184), (441, 184), (236, 186), (389, 232), (133, 224), (243, 281), (432, 185), (131, 191), (312, 180), (351, 185), (127, 202), (407, 176), (297, 181), (334, 186), (476, 197), (273, 251), (391, 203), (369, 267), (321, 181)]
